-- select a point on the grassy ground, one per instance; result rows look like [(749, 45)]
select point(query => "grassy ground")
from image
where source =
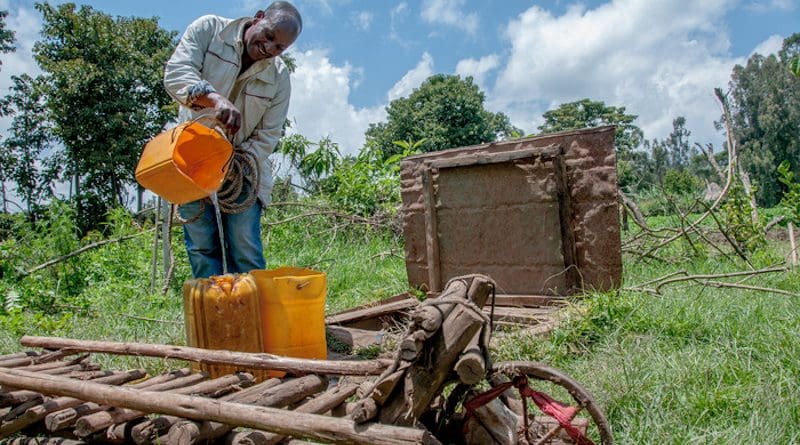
[(693, 365)]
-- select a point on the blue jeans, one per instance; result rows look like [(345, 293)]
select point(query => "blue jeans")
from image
[(244, 251)]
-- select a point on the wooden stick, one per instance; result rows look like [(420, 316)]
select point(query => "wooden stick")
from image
[(39, 412), (66, 417), (372, 312), (471, 365), (45, 441), (88, 425), (33, 360), (18, 355), (155, 429), (281, 395), (217, 357), (793, 245), (318, 405), (301, 425), (89, 409)]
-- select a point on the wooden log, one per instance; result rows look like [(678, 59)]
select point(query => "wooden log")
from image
[(13, 398), (364, 410), (372, 312), (384, 388), (301, 425), (318, 405), (492, 423), (281, 395), (510, 397), (155, 429), (39, 412), (36, 359), (16, 355), (65, 370), (423, 382), (55, 364), (428, 318), (471, 365), (90, 424), (216, 357), (45, 441), (411, 346), (355, 338), (65, 418)]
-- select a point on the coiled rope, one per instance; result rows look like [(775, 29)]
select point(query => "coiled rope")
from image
[(242, 167)]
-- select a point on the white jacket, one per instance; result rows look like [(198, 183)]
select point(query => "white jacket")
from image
[(210, 50)]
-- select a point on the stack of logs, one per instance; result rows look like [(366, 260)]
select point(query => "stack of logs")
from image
[(445, 334), (446, 341)]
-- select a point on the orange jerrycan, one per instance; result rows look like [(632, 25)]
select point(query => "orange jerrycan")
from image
[(222, 312), (186, 163), (292, 312)]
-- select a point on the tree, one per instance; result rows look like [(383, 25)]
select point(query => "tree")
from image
[(446, 111), (764, 95), (28, 136), (6, 36), (105, 95), (587, 113)]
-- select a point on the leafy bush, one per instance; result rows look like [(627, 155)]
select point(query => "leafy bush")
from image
[(680, 182)]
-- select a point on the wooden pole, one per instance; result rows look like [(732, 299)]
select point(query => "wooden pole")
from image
[(793, 244), (37, 413), (301, 425), (216, 357)]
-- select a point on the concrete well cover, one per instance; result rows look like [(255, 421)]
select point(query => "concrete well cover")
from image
[(538, 215)]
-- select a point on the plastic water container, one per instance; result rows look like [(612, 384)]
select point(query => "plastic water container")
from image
[(185, 164), (222, 312), (292, 302)]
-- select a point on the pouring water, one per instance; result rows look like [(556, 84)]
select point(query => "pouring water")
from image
[(215, 203)]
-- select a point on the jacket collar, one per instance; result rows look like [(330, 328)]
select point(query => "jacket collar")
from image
[(265, 70)]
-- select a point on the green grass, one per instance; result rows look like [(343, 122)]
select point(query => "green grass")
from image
[(691, 366)]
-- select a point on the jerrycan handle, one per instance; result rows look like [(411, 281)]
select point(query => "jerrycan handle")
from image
[(211, 115)]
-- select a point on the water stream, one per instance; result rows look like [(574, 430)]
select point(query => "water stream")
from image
[(215, 202)]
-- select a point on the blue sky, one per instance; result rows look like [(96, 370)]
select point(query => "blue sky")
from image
[(658, 58)]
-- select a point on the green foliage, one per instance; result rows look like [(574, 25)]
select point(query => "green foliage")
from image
[(794, 67), (446, 111), (368, 184), (587, 113), (764, 96), (6, 36), (105, 95), (680, 182), (790, 202), (738, 222), (28, 137)]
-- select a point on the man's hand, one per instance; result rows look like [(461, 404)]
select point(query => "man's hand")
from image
[(226, 112)]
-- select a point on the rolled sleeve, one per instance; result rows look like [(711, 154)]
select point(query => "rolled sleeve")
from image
[(182, 74)]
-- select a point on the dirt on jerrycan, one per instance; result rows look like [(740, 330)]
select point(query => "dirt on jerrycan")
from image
[(292, 301), (186, 163), (223, 312)]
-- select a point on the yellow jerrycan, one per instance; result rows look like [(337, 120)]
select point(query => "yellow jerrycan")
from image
[(222, 312), (186, 163), (292, 312)]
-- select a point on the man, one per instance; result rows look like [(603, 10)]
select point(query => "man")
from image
[(232, 67)]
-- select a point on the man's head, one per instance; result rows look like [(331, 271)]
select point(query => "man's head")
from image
[(272, 31)]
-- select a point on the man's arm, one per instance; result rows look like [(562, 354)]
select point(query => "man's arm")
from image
[(183, 79)]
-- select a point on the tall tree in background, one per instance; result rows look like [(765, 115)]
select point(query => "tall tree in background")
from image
[(6, 36), (6, 46), (587, 113), (105, 96), (446, 111), (27, 137), (764, 97)]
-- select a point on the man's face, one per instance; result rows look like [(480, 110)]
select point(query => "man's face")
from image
[(265, 39)]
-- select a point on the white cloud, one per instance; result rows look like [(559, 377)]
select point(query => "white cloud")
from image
[(362, 20), (396, 16), (478, 68), (450, 12), (772, 45), (763, 6), (623, 53), (412, 79), (320, 106)]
